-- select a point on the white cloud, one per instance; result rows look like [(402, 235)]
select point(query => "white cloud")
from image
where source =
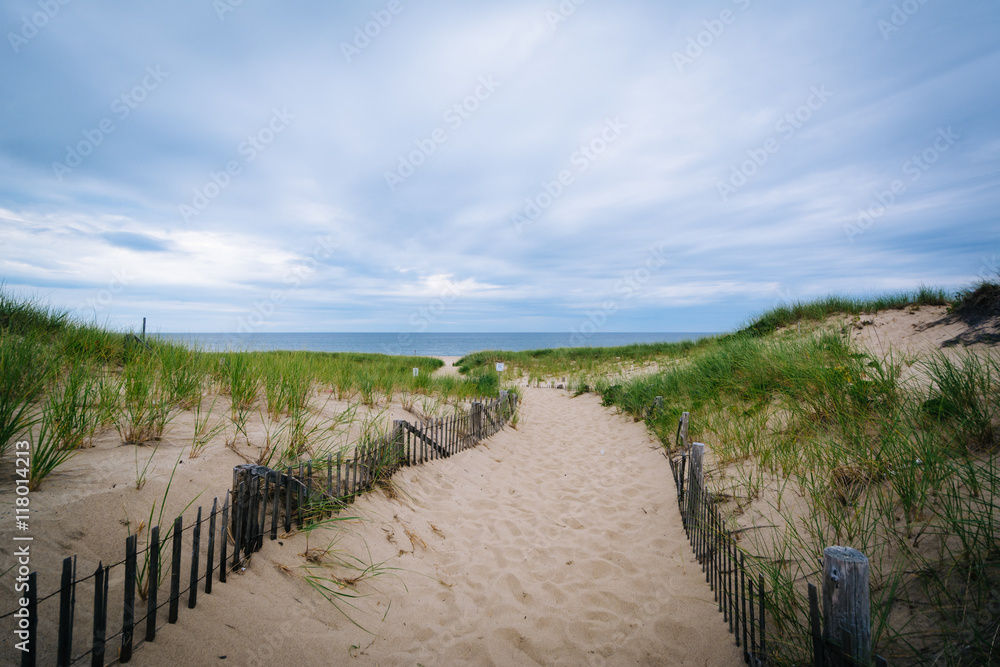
[(448, 226)]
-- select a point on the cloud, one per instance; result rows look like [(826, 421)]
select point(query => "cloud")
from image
[(303, 218), (132, 241)]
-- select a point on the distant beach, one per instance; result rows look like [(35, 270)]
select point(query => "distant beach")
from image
[(423, 344)]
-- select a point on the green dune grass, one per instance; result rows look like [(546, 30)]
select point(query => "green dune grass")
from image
[(64, 381), (826, 440), (834, 447)]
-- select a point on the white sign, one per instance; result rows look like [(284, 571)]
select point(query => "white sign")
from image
[(416, 372), (499, 367)]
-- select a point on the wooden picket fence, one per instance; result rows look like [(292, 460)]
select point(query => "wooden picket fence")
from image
[(295, 495), (300, 495), (73, 639), (742, 597)]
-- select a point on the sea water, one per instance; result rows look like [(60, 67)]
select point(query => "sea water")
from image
[(422, 344)]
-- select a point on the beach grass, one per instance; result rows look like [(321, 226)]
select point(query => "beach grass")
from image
[(819, 309), (816, 442), (23, 377), (64, 381)]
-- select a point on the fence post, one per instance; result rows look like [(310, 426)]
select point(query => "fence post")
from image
[(210, 567), (301, 495), (152, 579), (814, 630), (262, 526), (98, 644), (67, 600), (288, 499), (29, 657), (239, 495), (195, 553), (477, 420), (398, 444), (175, 570), (846, 603), (274, 505), (683, 434), (329, 478), (224, 539), (696, 480), (128, 606)]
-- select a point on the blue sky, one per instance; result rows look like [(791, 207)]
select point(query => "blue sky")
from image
[(519, 166)]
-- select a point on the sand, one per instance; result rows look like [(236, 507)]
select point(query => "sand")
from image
[(555, 542), (534, 548), (558, 542), (449, 367)]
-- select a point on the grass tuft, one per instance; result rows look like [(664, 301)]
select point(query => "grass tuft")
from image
[(979, 302)]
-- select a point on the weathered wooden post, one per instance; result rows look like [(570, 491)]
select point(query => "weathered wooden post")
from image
[(477, 420), (67, 597), (99, 642), (697, 459), (846, 604), (694, 494), (128, 605), (658, 404), (195, 554), (210, 567), (681, 480), (398, 444), (153, 577)]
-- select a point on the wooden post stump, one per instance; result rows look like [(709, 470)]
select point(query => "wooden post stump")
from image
[(846, 603)]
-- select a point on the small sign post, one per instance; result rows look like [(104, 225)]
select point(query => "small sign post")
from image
[(416, 372), (499, 367)]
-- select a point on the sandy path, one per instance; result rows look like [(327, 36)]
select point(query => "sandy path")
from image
[(448, 368), (536, 548)]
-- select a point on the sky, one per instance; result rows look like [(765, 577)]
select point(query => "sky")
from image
[(573, 165)]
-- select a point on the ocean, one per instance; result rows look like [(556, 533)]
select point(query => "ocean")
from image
[(422, 344)]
